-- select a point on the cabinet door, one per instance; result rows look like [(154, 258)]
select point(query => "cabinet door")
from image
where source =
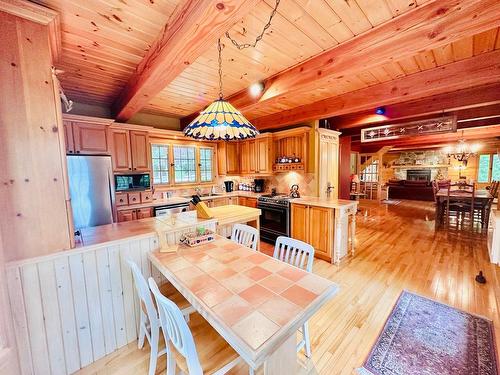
[(221, 159), (146, 196), (251, 202), (121, 199), (320, 230), (126, 215), (68, 137), (90, 139), (300, 222), (244, 158), (232, 158), (134, 198), (143, 213), (220, 202), (242, 201), (252, 157), (121, 156), (263, 151), (139, 144), (232, 200)]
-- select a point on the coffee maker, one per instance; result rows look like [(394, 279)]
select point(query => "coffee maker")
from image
[(229, 186), (259, 185)]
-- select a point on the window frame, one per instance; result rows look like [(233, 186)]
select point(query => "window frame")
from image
[(195, 164), (490, 167), (169, 163), (213, 160)]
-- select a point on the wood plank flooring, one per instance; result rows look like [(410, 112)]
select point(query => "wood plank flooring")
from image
[(397, 248)]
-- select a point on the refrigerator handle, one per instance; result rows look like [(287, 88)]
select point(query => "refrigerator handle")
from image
[(111, 186)]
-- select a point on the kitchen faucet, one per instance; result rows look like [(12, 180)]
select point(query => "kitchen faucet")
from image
[(329, 189)]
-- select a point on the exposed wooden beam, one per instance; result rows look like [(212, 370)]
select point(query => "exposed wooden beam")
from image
[(475, 97), (193, 28), (428, 26), (475, 71), (38, 14)]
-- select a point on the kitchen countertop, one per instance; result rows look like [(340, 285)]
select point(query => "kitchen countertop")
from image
[(128, 229), (176, 200), (324, 202)]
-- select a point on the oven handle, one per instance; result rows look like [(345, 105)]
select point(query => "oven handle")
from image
[(284, 209)]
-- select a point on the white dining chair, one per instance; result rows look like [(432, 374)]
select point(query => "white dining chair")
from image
[(149, 325), (301, 255), (180, 342), (245, 235)]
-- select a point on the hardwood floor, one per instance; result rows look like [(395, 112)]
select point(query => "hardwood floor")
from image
[(396, 248)]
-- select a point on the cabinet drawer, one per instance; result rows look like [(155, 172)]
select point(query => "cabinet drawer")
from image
[(126, 215), (121, 199), (146, 196), (143, 213), (134, 198)]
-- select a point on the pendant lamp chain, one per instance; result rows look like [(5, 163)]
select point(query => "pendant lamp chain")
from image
[(260, 36), (219, 48)]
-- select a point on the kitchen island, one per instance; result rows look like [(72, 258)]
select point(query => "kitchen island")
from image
[(324, 223)]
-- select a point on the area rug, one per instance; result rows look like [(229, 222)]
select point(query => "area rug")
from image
[(425, 337), (391, 201)]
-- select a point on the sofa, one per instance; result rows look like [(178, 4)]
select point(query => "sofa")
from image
[(406, 189)]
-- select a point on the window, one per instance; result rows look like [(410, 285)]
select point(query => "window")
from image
[(488, 168), (159, 156), (184, 164), (206, 173), (370, 173)]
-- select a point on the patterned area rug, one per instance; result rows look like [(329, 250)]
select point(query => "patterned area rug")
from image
[(422, 336)]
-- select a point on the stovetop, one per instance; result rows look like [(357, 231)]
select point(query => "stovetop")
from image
[(281, 199)]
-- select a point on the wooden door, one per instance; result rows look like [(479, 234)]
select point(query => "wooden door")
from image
[(300, 220), (121, 154), (143, 213), (126, 215), (90, 139), (232, 158), (244, 157), (139, 144), (68, 137), (320, 228), (328, 164), (263, 155)]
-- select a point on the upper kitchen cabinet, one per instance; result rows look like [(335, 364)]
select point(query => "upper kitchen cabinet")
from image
[(86, 137), (294, 146), (256, 156), (130, 150), (228, 158)]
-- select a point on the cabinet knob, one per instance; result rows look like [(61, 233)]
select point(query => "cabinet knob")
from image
[(130, 169), (70, 151), (134, 199), (78, 152), (121, 200)]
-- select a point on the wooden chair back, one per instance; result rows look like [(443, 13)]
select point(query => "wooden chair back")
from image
[(294, 252), (143, 293), (461, 199), (175, 330), (245, 235)]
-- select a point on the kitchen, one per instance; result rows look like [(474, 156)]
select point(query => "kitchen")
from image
[(214, 170)]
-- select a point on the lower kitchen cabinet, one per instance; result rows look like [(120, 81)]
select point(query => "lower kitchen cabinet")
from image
[(314, 225), (247, 201), (134, 214)]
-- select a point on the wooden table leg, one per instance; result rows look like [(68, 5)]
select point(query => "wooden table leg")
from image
[(437, 218), (284, 358), (353, 231)]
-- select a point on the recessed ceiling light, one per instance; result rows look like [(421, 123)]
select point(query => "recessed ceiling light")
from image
[(380, 111), (256, 88)]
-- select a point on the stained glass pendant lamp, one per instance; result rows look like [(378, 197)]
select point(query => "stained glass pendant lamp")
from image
[(220, 120)]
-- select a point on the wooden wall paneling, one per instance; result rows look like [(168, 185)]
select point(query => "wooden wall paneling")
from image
[(106, 297), (94, 303), (485, 41), (117, 296), (67, 311), (20, 321), (50, 302), (128, 292), (27, 100), (35, 319), (79, 290), (344, 167)]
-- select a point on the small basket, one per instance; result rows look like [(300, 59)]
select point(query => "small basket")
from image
[(195, 239)]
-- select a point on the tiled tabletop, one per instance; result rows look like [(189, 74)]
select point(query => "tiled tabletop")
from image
[(254, 301)]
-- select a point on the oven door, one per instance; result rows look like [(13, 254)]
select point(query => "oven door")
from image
[(274, 222)]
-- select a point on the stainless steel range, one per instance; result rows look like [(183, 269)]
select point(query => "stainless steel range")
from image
[(275, 217)]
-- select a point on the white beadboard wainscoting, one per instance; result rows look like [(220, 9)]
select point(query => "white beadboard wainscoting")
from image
[(74, 307)]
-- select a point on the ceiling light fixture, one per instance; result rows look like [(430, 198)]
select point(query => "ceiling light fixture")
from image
[(380, 110), (462, 151), (256, 89), (220, 120)]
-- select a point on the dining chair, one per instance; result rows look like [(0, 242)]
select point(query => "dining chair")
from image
[(182, 341), (301, 255), (482, 208), (460, 201), (150, 314), (245, 235)]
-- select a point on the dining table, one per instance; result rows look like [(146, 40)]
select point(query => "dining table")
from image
[(480, 196), (254, 301)]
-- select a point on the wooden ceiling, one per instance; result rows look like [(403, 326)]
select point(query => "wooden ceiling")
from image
[(104, 41)]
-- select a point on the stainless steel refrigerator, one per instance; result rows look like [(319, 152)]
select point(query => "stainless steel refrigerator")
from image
[(91, 189)]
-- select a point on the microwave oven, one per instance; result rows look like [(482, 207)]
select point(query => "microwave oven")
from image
[(127, 182)]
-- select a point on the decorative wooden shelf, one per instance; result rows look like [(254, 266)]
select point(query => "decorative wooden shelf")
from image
[(420, 166), (285, 167)]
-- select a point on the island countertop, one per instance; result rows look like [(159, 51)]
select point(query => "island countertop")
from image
[(324, 202)]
